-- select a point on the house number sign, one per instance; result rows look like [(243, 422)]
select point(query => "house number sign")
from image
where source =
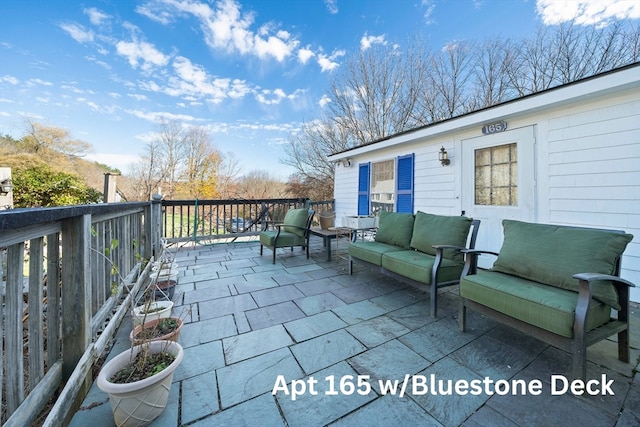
[(495, 127)]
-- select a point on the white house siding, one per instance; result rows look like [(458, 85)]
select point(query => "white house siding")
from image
[(587, 159), (594, 171)]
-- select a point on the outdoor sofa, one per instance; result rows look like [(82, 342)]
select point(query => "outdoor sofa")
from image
[(556, 283), (421, 249)]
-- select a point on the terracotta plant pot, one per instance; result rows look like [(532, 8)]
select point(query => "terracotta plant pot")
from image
[(152, 326), (139, 403), (155, 310)]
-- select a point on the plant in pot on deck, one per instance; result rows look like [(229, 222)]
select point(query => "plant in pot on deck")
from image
[(138, 380)]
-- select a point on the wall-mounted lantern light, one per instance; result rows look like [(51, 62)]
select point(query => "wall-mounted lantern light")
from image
[(6, 187), (346, 163), (443, 157)]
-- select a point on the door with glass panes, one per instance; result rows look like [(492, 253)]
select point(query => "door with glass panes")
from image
[(498, 182)]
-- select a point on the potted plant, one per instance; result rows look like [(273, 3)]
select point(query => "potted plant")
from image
[(153, 310), (164, 329), (138, 381)]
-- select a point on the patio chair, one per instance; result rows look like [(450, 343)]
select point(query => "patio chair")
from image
[(294, 231)]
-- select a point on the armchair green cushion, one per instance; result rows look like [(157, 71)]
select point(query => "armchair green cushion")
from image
[(429, 230), (297, 218), (530, 249), (395, 229)]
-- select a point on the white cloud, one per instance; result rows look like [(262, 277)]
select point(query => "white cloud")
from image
[(138, 97), (227, 27), (4, 114), (587, 12), (367, 41), (9, 79), (78, 32), (143, 53), (96, 16), (304, 54), (33, 82), (324, 100), (164, 17), (156, 117), (332, 6), (429, 6), (327, 62)]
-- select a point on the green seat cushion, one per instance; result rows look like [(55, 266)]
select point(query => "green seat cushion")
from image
[(552, 254), (267, 238), (547, 307), (395, 229), (429, 230), (417, 266), (370, 251), (298, 218)]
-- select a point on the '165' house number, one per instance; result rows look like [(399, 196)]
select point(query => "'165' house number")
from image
[(495, 127)]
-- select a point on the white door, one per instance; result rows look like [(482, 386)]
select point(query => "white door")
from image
[(498, 182)]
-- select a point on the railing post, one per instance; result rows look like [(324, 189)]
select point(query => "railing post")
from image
[(76, 292), (156, 224)]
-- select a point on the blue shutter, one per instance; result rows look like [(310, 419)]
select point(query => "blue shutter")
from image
[(363, 189), (404, 184)]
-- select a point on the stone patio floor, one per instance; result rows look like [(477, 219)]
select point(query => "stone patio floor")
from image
[(357, 350)]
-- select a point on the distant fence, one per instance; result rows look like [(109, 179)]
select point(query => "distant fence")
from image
[(211, 220)]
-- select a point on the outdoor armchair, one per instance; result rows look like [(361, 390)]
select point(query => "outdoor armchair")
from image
[(294, 231)]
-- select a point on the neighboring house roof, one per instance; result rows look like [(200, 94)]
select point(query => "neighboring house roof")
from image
[(617, 80)]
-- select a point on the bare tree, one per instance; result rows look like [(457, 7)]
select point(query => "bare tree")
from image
[(228, 171), (201, 165), (40, 139), (260, 184)]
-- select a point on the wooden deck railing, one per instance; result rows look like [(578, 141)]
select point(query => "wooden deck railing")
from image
[(61, 308), (211, 220)]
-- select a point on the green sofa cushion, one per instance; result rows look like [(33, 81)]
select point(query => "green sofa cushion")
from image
[(395, 229), (547, 307), (267, 238), (417, 266), (298, 218), (371, 251), (429, 230), (552, 254)]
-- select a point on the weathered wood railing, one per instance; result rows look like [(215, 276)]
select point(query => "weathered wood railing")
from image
[(58, 294)]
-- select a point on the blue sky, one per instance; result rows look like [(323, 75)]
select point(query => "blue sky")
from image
[(250, 71)]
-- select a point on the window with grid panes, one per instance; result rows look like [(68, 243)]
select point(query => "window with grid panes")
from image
[(382, 186), (496, 175)]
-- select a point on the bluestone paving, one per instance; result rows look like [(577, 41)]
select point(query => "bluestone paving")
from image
[(326, 350), (328, 404), (251, 324), (199, 396), (318, 303), (245, 346), (273, 315)]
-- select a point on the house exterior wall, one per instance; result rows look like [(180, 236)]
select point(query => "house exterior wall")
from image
[(587, 166)]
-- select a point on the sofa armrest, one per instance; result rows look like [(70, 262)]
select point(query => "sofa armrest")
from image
[(592, 277), (471, 260), (585, 292)]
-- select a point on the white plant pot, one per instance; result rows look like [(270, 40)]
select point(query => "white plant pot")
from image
[(139, 403), (165, 311), (166, 275)]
